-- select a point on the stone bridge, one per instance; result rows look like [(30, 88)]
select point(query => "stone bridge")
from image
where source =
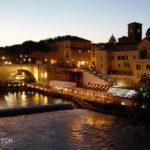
[(40, 72)]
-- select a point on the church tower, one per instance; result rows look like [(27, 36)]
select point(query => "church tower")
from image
[(135, 32)]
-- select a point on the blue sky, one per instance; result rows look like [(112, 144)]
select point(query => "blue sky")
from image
[(95, 20)]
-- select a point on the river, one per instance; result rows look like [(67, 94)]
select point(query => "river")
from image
[(76, 129), (27, 98)]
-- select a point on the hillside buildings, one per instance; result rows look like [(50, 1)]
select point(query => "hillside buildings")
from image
[(125, 60)]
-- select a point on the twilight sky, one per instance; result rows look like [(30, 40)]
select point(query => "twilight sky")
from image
[(95, 20)]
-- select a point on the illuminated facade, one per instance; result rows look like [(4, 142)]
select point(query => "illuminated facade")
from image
[(70, 51), (127, 59)]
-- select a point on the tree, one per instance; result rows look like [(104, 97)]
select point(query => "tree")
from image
[(142, 95)]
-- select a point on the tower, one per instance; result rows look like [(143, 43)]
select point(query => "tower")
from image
[(135, 31), (112, 40)]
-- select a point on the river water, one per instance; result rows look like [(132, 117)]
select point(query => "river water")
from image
[(76, 129), (24, 99)]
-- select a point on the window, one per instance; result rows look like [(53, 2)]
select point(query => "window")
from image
[(127, 65), (119, 57), (131, 30), (147, 67), (123, 57), (139, 30), (134, 57), (138, 67)]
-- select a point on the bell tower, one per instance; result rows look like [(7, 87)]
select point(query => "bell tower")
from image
[(135, 32)]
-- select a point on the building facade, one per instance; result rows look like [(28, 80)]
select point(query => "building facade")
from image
[(70, 51), (127, 59)]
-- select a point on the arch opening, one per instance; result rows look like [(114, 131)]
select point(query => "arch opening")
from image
[(21, 76)]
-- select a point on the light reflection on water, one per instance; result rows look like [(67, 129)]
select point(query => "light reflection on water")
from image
[(23, 99), (74, 130)]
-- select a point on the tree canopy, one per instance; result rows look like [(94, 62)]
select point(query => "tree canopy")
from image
[(143, 90), (26, 48)]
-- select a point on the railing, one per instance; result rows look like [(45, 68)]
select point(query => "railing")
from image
[(120, 73)]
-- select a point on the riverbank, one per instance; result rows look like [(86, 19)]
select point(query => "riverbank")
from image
[(33, 109), (97, 101), (110, 107)]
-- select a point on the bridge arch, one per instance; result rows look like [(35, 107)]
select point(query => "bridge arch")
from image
[(25, 75)]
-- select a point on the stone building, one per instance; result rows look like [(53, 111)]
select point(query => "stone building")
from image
[(70, 51), (127, 59)]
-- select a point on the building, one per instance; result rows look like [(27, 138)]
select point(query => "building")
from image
[(127, 59), (70, 51)]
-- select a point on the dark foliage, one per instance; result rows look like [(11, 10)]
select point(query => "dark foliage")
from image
[(25, 48), (143, 91)]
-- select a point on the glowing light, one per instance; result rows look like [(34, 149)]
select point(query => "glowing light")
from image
[(29, 59), (6, 62), (52, 61), (45, 75), (3, 58), (80, 63), (123, 103), (23, 96)]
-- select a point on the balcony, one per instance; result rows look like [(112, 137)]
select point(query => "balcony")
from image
[(120, 73)]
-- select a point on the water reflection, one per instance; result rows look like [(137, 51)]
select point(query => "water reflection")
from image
[(24, 99), (103, 121)]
